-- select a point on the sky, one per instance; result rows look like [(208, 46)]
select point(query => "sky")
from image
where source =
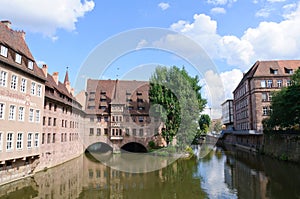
[(233, 34)]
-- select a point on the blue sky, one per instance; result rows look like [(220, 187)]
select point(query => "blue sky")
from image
[(233, 33)]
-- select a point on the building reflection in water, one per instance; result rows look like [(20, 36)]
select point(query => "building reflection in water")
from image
[(235, 174)]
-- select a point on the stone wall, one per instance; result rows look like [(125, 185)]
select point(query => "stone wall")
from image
[(282, 146)]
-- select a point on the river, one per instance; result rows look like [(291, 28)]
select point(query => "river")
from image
[(222, 173)]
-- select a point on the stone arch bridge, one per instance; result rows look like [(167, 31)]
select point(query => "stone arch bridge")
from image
[(116, 143)]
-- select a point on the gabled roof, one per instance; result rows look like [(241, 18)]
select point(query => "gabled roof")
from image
[(15, 42), (262, 69)]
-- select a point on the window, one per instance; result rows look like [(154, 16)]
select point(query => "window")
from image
[(106, 119), (91, 131), (2, 110), (98, 131), (29, 140), (19, 140), (44, 121), (37, 116), (3, 51), (265, 110), (23, 85), (1, 141), (279, 83), (36, 140), (49, 121), (18, 58), (269, 83), (43, 138), (31, 113), (53, 138), (288, 71), (32, 91), (141, 119), (264, 97), (141, 132), (91, 119), (134, 132), (39, 90), (12, 112), (54, 121), (14, 82), (270, 97), (21, 114), (3, 78), (274, 71), (288, 82), (9, 141), (48, 138), (30, 65)]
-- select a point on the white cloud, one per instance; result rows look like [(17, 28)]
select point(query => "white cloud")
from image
[(163, 5), (45, 16), (264, 12), (218, 10), (230, 81), (275, 1), (221, 2), (217, 2), (269, 40), (142, 44)]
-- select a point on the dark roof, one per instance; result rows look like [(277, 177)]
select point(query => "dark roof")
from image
[(15, 42)]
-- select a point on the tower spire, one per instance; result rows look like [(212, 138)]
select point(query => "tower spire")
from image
[(67, 76)]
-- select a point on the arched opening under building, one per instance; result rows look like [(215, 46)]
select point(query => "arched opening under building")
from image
[(134, 147), (99, 147)]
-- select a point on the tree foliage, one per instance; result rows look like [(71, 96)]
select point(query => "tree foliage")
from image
[(176, 98), (285, 106)]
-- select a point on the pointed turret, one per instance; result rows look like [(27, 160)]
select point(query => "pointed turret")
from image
[(66, 77)]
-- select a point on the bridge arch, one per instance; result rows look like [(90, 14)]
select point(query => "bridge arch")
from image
[(99, 147), (135, 147)]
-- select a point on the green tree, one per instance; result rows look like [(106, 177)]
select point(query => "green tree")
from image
[(175, 97), (285, 107), (204, 123)]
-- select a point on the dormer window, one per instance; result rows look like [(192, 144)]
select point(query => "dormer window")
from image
[(18, 58), (30, 65), (3, 51), (288, 71), (138, 93), (274, 71)]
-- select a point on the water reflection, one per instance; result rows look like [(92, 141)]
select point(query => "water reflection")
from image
[(221, 174)]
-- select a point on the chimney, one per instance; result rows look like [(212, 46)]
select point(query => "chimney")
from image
[(72, 91), (45, 69), (7, 23), (22, 34), (55, 77)]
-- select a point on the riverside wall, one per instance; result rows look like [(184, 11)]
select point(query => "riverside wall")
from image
[(284, 146)]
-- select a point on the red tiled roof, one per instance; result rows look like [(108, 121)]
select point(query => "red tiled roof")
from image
[(262, 69), (117, 92), (15, 42)]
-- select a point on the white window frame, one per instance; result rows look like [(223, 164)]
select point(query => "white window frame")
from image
[(23, 86), (9, 141), (12, 112), (29, 140), (37, 116), (18, 58), (2, 111), (32, 88), (14, 82), (269, 83), (279, 83), (3, 51), (265, 110), (19, 143), (30, 64), (31, 115), (21, 113), (39, 90), (36, 140), (263, 84), (3, 78)]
